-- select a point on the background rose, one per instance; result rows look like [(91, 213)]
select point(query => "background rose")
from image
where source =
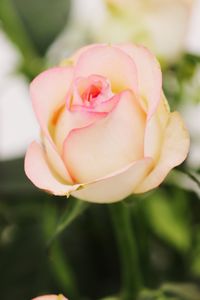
[(105, 125), (162, 26)]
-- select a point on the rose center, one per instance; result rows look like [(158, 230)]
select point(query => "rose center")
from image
[(89, 92), (92, 92)]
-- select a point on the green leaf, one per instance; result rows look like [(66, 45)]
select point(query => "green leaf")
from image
[(151, 295), (195, 252), (17, 33), (183, 291), (171, 291), (110, 298), (51, 16), (167, 216), (32, 26)]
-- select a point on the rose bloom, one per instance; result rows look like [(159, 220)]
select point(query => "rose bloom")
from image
[(106, 127), (51, 297)]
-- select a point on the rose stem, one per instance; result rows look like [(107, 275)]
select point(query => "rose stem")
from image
[(127, 245)]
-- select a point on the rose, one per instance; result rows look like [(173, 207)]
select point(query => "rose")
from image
[(51, 297), (106, 128), (162, 26)]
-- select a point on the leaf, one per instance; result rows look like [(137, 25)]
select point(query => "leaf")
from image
[(172, 291), (32, 26), (110, 298), (183, 291), (167, 216), (51, 16), (15, 30), (195, 253)]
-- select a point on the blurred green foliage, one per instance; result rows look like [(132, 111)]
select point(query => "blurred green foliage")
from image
[(32, 26), (173, 292), (181, 81), (169, 218), (82, 262)]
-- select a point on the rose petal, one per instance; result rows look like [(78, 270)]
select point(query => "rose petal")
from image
[(48, 91), (105, 106), (56, 162), (109, 144), (154, 130), (38, 171), (118, 186), (110, 62), (69, 120), (174, 151), (71, 61), (149, 76)]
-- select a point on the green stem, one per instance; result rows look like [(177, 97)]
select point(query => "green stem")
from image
[(74, 209), (59, 263), (62, 271), (127, 245)]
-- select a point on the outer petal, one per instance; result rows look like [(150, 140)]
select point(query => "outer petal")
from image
[(149, 76), (38, 171), (109, 144), (154, 130), (56, 162), (48, 92), (118, 186), (174, 151), (110, 62), (71, 61)]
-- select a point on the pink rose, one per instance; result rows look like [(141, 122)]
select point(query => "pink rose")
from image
[(51, 297), (106, 128)]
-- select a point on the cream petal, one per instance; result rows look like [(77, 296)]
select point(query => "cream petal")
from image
[(71, 61), (48, 91), (154, 130), (109, 144), (39, 172), (110, 62), (56, 162), (149, 76), (70, 120), (175, 148), (117, 186)]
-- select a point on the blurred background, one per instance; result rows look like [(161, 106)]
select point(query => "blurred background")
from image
[(83, 261)]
